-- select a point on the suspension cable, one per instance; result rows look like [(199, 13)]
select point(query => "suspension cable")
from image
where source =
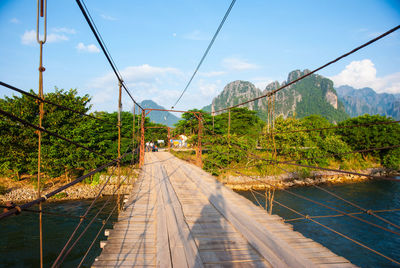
[(49, 102), (103, 47), (367, 211), (206, 52), (64, 252), (336, 232), (338, 127), (43, 198), (311, 72), (24, 122)]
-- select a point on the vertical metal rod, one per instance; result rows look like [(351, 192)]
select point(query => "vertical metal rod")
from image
[(41, 113), (229, 135), (169, 139), (42, 9), (119, 145), (133, 131), (199, 150), (141, 159)]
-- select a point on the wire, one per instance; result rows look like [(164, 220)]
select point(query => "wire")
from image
[(105, 50), (62, 188), (15, 118), (336, 232), (49, 102), (315, 70), (206, 52), (341, 215), (337, 127)]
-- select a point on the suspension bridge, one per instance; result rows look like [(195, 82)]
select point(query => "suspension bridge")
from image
[(178, 214)]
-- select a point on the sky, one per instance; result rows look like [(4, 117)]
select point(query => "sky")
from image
[(158, 44)]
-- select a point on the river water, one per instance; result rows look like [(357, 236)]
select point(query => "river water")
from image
[(19, 243), (375, 195)]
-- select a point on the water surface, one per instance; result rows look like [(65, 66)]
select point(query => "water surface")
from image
[(375, 195), (19, 243)]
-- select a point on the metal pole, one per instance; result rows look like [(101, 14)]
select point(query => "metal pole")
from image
[(169, 139), (199, 151), (133, 131), (229, 134), (141, 159), (119, 145), (42, 6)]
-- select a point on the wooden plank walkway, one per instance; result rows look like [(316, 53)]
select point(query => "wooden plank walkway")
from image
[(180, 216)]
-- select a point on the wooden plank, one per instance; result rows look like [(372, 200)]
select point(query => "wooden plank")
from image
[(181, 232), (163, 248)]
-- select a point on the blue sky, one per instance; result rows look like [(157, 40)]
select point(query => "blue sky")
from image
[(157, 45)]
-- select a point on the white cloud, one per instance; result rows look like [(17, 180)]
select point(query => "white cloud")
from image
[(64, 30), (262, 82), (360, 74), (238, 64), (15, 21), (174, 34), (91, 48), (29, 37), (207, 89), (146, 82), (108, 17), (212, 74), (195, 35), (52, 38)]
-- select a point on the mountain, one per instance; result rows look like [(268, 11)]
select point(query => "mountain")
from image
[(366, 100), (312, 95), (160, 117)]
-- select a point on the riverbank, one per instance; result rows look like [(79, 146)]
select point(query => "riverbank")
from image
[(25, 191), (282, 181)]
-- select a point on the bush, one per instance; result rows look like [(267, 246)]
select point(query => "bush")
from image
[(392, 159)]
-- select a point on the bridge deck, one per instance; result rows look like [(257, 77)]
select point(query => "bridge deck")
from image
[(180, 216)]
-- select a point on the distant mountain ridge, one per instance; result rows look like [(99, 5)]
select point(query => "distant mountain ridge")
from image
[(366, 100), (312, 95), (160, 117)]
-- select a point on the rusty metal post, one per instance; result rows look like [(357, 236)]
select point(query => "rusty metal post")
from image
[(169, 139), (119, 145), (133, 131), (199, 150), (42, 6), (141, 158), (229, 124), (229, 134)]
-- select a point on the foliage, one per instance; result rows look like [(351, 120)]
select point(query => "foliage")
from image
[(392, 160), (223, 152), (372, 136), (19, 144)]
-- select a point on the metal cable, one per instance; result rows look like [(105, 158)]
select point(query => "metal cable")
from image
[(341, 215), (61, 260), (338, 127), (336, 232), (49, 102), (96, 35), (62, 188), (86, 212), (206, 52), (315, 70), (26, 123), (367, 211)]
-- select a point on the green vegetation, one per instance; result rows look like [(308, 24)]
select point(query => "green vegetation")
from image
[(19, 144), (251, 150), (60, 195)]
